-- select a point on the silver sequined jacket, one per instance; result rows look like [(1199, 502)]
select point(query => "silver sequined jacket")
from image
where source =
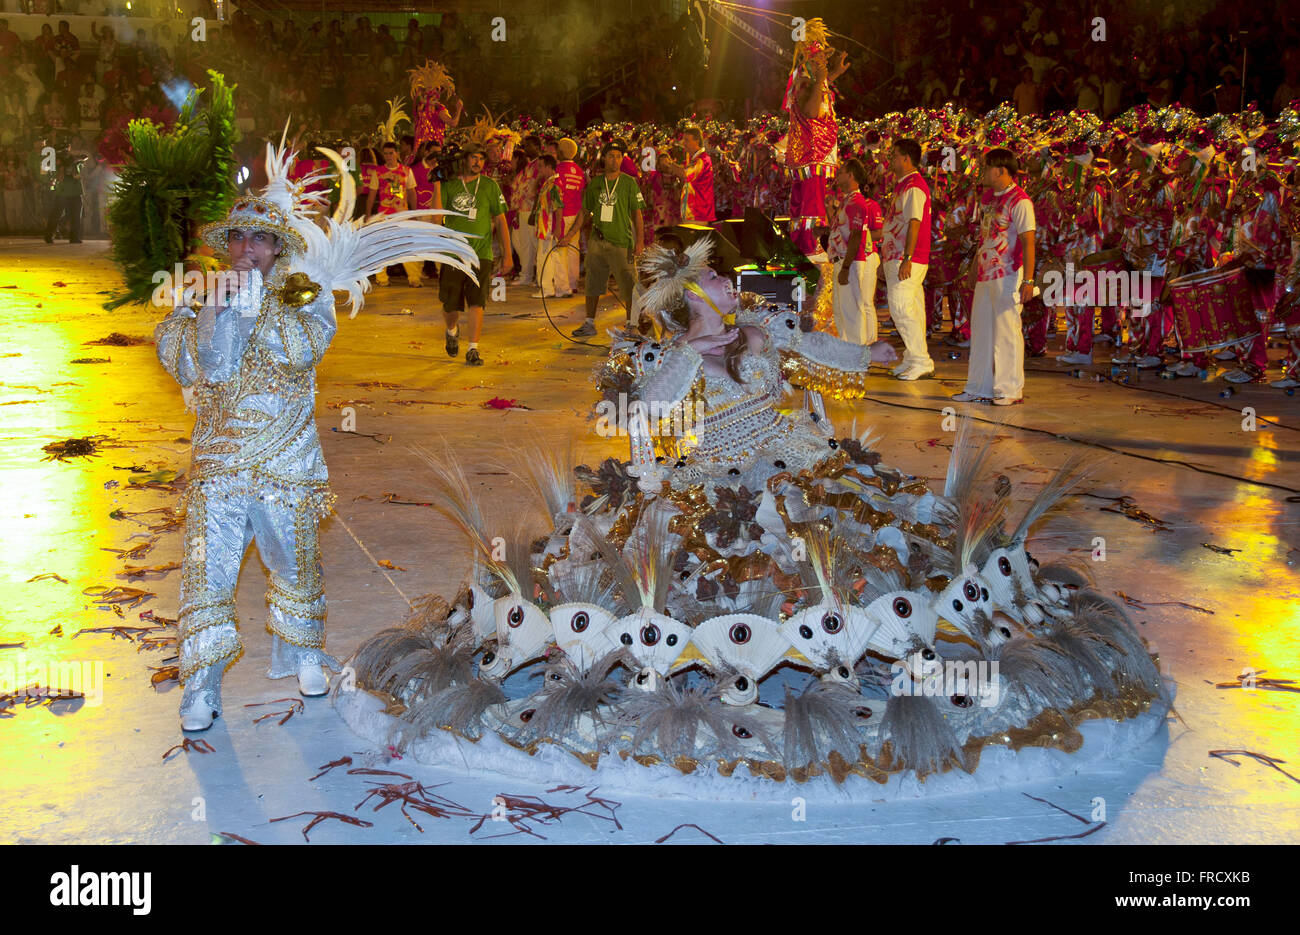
[(252, 368)]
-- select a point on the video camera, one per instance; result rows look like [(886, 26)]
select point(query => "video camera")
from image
[(450, 164)]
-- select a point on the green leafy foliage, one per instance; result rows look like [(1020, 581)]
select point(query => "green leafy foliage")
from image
[(175, 181)]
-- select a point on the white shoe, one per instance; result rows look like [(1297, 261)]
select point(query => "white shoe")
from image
[(1007, 400), (1226, 355), (1187, 369), (1075, 358), (198, 717), (311, 680), (969, 398), (1122, 359), (1285, 383), (1238, 376), (915, 373), (1150, 362), (898, 368)]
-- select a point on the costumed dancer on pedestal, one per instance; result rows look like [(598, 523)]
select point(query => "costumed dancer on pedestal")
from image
[(257, 470), (811, 146), (432, 90)]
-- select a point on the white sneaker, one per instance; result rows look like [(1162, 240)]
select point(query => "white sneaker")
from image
[(1285, 383), (311, 681), (1150, 362), (1075, 358), (915, 373), (198, 717)]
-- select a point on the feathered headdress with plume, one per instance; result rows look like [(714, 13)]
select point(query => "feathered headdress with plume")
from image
[(815, 42), (672, 275), (285, 207), (396, 114), (343, 254), (431, 78), (814, 45)]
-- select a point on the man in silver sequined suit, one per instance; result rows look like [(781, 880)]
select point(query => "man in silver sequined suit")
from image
[(257, 470)]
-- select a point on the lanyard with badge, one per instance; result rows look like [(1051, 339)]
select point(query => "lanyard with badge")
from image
[(607, 204), (473, 209)]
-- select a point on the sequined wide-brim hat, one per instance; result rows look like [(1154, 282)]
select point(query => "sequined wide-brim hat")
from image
[(251, 212)]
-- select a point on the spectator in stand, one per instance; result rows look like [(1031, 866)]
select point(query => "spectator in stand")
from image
[(43, 55), (1026, 94), (90, 104), (65, 44), (1089, 99), (1057, 96), (9, 42), (107, 50)]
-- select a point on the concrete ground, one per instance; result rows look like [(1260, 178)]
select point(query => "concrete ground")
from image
[(94, 771)]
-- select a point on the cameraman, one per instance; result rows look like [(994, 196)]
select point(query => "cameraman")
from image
[(65, 195)]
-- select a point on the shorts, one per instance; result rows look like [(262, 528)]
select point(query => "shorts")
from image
[(458, 292), (604, 258)]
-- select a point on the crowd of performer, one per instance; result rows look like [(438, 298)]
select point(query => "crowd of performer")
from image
[(991, 222)]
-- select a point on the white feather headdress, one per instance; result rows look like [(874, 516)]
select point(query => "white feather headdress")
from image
[(669, 272)]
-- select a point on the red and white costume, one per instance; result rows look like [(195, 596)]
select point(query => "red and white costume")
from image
[(910, 202), (855, 304), (997, 347)]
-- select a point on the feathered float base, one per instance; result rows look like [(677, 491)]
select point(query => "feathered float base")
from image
[(986, 750)]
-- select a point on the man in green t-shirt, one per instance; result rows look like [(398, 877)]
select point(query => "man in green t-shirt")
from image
[(478, 198), (611, 213)]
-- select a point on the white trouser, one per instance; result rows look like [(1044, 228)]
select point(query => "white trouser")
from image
[(855, 304), (553, 272), (997, 346), (524, 240), (571, 257), (907, 308)]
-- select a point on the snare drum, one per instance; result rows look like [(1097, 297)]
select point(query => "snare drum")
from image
[(1286, 317), (1213, 309)]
